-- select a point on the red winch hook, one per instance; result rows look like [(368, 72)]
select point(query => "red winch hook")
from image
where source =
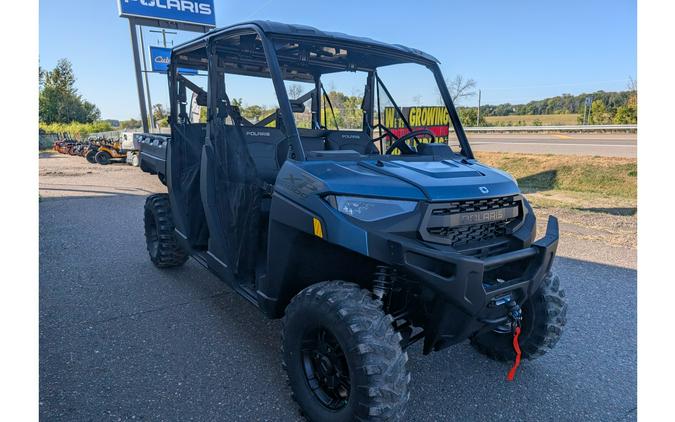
[(516, 347), (516, 316)]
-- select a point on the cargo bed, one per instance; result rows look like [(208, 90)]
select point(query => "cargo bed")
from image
[(153, 148)]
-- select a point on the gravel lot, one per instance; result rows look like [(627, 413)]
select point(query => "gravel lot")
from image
[(123, 340)]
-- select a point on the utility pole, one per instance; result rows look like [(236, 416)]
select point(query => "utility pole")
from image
[(164, 32), (478, 114), (151, 118), (139, 79)]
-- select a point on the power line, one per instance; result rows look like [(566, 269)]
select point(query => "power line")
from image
[(250, 15)]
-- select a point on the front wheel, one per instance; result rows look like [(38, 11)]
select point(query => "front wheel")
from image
[(544, 316), (343, 358)]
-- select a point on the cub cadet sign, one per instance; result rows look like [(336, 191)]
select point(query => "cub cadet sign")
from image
[(434, 118), (161, 57), (198, 12)]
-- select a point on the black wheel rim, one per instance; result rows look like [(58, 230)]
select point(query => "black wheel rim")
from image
[(326, 368), (151, 235)]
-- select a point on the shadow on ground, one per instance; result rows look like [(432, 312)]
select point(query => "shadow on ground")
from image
[(542, 181), (612, 211)]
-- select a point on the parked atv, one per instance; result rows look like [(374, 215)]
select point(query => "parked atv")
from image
[(364, 242), (110, 152), (90, 152), (76, 149), (63, 143)]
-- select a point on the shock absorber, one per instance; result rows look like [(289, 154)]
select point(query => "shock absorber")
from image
[(384, 279)]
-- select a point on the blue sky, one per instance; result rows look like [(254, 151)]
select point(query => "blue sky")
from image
[(516, 51)]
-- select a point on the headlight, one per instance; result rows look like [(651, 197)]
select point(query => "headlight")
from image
[(370, 209)]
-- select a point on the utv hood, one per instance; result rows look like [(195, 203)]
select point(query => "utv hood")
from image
[(435, 181)]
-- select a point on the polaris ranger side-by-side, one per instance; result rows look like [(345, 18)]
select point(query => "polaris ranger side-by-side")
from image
[(364, 242)]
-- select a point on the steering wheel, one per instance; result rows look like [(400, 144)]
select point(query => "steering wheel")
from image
[(400, 143)]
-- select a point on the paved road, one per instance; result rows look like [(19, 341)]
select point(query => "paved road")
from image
[(122, 340), (607, 145)]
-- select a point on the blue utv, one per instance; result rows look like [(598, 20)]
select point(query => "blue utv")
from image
[(364, 238)]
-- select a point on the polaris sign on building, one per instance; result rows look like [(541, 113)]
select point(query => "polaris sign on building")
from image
[(200, 12)]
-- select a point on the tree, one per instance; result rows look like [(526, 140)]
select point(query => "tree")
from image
[(627, 114), (130, 124), (253, 113), (468, 116), (599, 114), (41, 77), (159, 112), (294, 91), (160, 115), (59, 100), (461, 88)]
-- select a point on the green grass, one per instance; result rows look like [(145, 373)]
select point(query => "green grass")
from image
[(604, 176), (529, 120)]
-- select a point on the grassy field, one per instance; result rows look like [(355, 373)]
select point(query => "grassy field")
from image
[(529, 120), (599, 176), (594, 198)]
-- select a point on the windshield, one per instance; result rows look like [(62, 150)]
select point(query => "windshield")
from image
[(404, 98), (357, 88), (409, 99)]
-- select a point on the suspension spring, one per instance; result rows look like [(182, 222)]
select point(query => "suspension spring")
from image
[(383, 281)]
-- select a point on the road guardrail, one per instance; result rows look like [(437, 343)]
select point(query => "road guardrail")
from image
[(563, 128)]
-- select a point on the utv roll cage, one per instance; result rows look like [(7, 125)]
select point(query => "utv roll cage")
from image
[(286, 52)]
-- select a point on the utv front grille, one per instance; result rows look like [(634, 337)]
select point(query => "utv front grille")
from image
[(465, 235), (458, 207), (461, 223)]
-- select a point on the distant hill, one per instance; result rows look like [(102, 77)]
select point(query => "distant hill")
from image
[(562, 104)]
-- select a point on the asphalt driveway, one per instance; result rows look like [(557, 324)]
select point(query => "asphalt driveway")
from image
[(123, 340)]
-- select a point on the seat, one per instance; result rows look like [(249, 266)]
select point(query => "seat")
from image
[(357, 141), (268, 148), (313, 144), (312, 139)]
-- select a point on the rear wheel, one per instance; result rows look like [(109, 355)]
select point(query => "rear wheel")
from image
[(134, 160), (343, 358), (544, 316), (159, 233), (103, 158)]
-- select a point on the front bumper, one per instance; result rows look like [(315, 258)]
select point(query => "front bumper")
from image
[(466, 294)]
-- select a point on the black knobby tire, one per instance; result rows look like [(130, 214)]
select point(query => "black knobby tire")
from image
[(374, 361), (544, 316), (103, 158), (91, 157), (159, 233)]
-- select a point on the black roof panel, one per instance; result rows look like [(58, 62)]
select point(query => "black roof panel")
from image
[(302, 31)]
